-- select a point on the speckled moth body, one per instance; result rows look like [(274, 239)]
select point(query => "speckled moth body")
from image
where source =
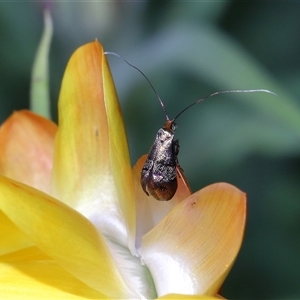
[(159, 173)]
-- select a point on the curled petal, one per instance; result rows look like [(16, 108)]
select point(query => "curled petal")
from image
[(193, 248), (92, 171), (150, 211), (26, 152), (64, 235)]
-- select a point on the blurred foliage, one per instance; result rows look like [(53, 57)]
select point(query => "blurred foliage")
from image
[(189, 50)]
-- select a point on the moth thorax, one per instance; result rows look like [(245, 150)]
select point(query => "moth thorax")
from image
[(164, 135)]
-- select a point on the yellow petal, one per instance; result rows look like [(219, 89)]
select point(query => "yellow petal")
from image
[(193, 248), (42, 279), (119, 157), (12, 238), (25, 254), (26, 152), (64, 235), (92, 170), (150, 211)]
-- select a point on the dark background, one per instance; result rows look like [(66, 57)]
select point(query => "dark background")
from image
[(189, 50)]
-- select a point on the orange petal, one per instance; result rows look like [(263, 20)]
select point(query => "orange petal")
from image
[(64, 235), (149, 210), (26, 152), (193, 248), (92, 170)]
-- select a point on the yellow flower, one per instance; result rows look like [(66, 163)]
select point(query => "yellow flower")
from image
[(74, 220)]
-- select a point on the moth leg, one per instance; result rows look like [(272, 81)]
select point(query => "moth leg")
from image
[(176, 151), (183, 178)]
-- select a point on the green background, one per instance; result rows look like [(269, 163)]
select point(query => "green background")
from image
[(189, 50)]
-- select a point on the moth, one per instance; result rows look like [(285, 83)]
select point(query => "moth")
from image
[(159, 173)]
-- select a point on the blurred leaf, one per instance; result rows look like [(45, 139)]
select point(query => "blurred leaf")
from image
[(39, 92)]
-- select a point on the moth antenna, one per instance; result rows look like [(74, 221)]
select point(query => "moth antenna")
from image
[(224, 92), (128, 63)]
